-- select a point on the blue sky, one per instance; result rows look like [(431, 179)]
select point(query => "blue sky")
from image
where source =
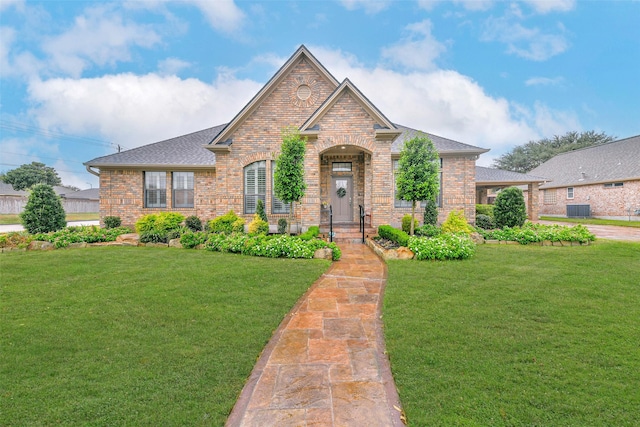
[(81, 78)]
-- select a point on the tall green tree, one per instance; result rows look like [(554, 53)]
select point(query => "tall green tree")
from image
[(288, 179), (28, 175), (529, 156), (43, 212), (417, 176)]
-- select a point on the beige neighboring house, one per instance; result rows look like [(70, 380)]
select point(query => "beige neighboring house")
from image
[(601, 181), (351, 145), (13, 201)]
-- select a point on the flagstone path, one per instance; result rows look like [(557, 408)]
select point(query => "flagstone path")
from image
[(325, 365)]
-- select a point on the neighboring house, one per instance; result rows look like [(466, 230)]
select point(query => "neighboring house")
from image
[(13, 201), (493, 180), (601, 181), (350, 144)]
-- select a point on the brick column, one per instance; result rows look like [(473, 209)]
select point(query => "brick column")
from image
[(532, 201)]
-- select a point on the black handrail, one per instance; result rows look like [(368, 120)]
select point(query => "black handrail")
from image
[(330, 223), (362, 221)]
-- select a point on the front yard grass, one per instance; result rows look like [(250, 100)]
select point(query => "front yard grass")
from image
[(518, 335), (136, 336)]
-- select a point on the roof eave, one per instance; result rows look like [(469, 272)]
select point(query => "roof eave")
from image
[(139, 166)]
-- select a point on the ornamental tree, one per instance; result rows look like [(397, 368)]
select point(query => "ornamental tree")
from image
[(417, 176), (288, 178), (509, 209), (28, 175), (44, 212)]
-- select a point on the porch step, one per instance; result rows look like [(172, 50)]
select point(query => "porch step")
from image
[(347, 233)]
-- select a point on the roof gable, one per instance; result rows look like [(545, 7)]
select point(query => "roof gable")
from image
[(222, 141), (385, 126)]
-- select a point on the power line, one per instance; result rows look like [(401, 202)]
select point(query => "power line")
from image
[(57, 170), (41, 157)]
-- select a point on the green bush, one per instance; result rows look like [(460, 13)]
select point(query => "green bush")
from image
[(16, 239), (311, 233), (258, 225), (260, 211), (112, 222), (456, 223), (428, 230), (446, 246), (43, 212), (430, 213), (393, 234), (509, 209), (190, 240), (406, 223), (282, 226), (531, 233), (153, 237), (485, 222), (160, 223), (227, 223), (88, 234), (193, 223), (484, 210), (176, 233)]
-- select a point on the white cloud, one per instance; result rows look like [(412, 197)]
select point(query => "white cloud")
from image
[(467, 4), (546, 6), (12, 64), (223, 15), (417, 51), (369, 6), (101, 36), (135, 110), (555, 122), (528, 43), (172, 66), (544, 81), (6, 4)]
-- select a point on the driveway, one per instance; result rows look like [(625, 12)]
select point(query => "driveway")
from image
[(17, 227)]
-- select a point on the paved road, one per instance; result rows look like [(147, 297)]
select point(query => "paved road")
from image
[(17, 227)]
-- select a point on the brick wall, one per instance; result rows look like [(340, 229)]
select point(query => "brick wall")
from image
[(615, 202)]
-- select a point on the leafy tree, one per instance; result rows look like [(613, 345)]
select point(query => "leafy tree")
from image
[(527, 157), (44, 212), (417, 177), (28, 175), (430, 213), (509, 209), (288, 179)]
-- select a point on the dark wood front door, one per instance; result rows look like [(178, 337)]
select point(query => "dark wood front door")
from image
[(342, 206)]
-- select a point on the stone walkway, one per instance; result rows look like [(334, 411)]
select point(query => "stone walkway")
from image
[(325, 365)]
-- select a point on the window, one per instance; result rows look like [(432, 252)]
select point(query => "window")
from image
[(341, 166), (407, 204), (183, 189), (569, 192), (614, 184), (549, 197), (255, 185), (155, 189), (277, 205)]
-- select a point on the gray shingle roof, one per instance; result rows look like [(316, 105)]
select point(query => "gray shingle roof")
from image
[(90, 194), (443, 145), (611, 162), (185, 150), (488, 175)]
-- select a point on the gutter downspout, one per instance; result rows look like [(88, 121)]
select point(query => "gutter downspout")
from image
[(91, 171)]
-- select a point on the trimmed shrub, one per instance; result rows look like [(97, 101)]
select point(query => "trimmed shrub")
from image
[(153, 237), (89, 234), (112, 222), (406, 223), (227, 223), (430, 213), (444, 247), (43, 212), (193, 223), (282, 226), (485, 222), (311, 233), (393, 234), (456, 223), (160, 223), (428, 230), (530, 233), (484, 210), (258, 225), (190, 239), (509, 209), (260, 211)]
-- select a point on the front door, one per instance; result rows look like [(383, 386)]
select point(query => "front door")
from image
[(342, 198)]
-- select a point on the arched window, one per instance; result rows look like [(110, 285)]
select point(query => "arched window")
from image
[(255, 185)]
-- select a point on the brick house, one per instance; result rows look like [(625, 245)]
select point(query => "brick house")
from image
[(350, 144), (601, 181)]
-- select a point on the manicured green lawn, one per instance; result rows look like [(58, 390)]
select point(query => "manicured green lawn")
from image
[(136, 336), (15, 219), (518, 335), (593, 221)]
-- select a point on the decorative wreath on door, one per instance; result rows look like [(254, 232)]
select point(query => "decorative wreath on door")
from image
[(341, 192)]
